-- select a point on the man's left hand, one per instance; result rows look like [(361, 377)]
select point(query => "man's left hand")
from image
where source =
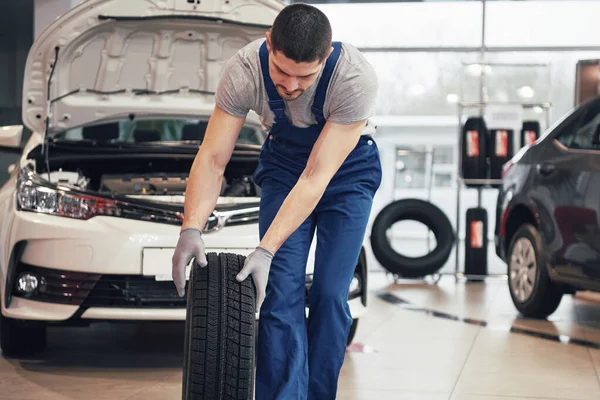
[(258, 264)]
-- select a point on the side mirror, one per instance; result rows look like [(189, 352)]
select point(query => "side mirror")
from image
[(10, 138)]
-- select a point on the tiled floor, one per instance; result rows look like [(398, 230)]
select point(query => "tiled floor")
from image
[(444, 341)]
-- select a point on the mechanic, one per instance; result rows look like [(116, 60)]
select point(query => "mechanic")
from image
[(318, 169)]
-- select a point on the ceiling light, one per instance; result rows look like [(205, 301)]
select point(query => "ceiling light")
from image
[(417, 90), (477, 69), (526, 92), (452, 98)]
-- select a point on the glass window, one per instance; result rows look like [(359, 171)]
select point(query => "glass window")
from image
[(550, 24), (442, 179), (395, 24), (587, 132), (443, 154), (154, 130), (411, 168), (420, 83)]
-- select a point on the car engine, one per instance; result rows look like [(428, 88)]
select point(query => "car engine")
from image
[(151, 184)]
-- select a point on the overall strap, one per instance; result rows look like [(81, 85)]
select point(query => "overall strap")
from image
[(276, 103), (317, 107)]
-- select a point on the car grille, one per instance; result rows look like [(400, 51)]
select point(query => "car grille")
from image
[(134, 291)]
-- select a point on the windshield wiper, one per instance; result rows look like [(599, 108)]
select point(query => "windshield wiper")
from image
[(137, 92)]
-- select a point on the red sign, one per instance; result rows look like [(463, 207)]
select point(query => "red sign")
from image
[(476, 234), (501, 143), (472, 143), (530, 137)]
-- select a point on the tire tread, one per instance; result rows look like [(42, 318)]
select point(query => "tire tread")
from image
[(220, 326)]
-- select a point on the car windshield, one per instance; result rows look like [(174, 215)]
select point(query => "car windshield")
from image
[(154, 130)]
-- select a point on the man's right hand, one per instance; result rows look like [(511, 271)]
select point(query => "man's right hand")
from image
[(190, 245)]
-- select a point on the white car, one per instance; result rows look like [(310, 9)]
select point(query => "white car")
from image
[(117, 95)]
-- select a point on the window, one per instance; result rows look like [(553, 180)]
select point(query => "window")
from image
[(154, 130), (411, 168), (587, 134), (420, 166), (582, 130)]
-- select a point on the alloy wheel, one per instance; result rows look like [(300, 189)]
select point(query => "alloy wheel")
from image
[(522, 269)]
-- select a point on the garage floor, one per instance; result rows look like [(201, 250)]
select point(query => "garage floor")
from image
[(420, 341)]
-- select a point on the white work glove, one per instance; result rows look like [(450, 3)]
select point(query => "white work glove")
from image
[(190, 245), (257, 264)]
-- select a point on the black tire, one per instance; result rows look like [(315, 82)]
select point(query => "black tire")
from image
[(21, 338), (474, 158), (530, 128), (219, 332), (499, 154), (417, 210), (476, 258), (546, 296), (352, 331)]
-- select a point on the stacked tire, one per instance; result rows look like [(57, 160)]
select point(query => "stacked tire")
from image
[(530, 133), (501, 151), (219, 332), (476, 243), (474, 150)]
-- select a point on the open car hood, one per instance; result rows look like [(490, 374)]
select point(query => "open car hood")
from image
[(110, 59)]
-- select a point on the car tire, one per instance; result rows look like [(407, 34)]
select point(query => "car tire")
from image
[(21, 338), (219, 342), (474, 150), (545, 297), (352, 332), (417, 210)]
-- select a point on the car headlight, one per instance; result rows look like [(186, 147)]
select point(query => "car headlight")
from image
[(35, 195)]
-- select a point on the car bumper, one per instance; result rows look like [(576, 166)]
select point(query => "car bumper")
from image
[(25, 309), (106, 268)]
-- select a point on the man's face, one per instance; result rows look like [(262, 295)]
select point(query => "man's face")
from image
[(290, 78)]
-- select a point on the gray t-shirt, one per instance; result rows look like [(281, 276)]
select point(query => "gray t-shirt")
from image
[(350, 98)]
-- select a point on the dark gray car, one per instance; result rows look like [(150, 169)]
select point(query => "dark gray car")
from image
[(548, 214)]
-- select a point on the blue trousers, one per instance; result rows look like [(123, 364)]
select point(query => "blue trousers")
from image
[(299, 359)]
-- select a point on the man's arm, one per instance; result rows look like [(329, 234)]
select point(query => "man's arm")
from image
[(329, 152), (204, 183)]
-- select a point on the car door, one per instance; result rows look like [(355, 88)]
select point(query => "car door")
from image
[(569, 174)]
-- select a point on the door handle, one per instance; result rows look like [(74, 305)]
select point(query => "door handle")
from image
[(545, 168)]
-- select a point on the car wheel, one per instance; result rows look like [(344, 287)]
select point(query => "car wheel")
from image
[(21, 338), (531, 289), (219, 331), (352, 331)]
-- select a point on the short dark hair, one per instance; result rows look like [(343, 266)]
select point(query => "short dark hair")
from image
[(302, 32)]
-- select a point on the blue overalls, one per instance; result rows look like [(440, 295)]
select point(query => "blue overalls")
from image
[(288, 345)]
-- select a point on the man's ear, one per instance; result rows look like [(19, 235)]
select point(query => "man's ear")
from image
[(268, 36), (330, 51)]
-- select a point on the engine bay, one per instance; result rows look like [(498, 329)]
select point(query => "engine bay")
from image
[(151, 184), (148, 178)]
